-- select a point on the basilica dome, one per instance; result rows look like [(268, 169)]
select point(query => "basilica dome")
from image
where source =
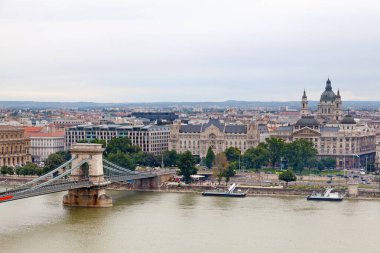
[(328, 95)]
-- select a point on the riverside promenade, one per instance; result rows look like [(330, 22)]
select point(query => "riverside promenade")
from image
[(253, 183)]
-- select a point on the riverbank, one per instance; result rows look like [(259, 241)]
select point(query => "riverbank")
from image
[(363, 194), (252, 190)]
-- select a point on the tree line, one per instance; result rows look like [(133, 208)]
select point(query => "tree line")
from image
[(275, 152)]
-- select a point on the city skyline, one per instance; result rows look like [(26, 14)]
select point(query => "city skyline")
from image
[(142, 51)]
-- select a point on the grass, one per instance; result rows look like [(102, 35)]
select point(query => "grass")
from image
[(314, 187), (305, 172)]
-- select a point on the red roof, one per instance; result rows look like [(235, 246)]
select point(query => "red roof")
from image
[(41, 134)]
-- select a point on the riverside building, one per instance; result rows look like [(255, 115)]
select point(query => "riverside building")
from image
[(43, 143), (219, 136), (351, 143), (151, 138), (14, 146)]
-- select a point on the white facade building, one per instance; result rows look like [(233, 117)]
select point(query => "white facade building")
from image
[(151, 138), (44, 144)]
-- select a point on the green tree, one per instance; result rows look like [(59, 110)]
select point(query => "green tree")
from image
[(287, 176), (4, 170), (326, 163), (122, 144), (232, 154), (170, 158), (210, 157), (29, 169), (220, 166), (186, 165), (231, 170), (10, 171), (53, 161), (300, 154), (276, 148), (256, 157), (122, 159), (150, 160)]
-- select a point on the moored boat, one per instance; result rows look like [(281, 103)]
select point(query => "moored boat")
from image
[(229, 193), (328, 195)]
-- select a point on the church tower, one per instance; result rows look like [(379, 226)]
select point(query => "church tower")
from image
[(330, 105), (305, 105)]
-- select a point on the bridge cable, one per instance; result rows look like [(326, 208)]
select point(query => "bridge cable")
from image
[(119, 167), (113, 169), (50, 173), (58, 177)]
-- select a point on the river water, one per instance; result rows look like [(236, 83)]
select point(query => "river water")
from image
[(182, 222)]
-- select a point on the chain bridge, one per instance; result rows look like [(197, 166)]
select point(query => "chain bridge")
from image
[(85, 176)]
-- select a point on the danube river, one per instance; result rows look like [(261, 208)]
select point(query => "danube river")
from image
[(181, 222)]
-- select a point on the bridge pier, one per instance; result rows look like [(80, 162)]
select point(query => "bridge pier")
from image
[(94, 196), (88, 197)]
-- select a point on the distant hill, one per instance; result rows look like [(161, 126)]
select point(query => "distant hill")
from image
[(370, 105)]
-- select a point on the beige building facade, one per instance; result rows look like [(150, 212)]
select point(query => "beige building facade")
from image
[(219, 136), (14, 146), (352, 144)]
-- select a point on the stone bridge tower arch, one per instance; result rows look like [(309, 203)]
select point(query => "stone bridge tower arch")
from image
[(95, 195), (92, 152)]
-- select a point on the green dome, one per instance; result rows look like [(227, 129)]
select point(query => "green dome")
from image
[(348, 119), (328, 95)]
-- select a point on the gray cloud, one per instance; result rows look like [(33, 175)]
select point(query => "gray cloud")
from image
[(146, 50)]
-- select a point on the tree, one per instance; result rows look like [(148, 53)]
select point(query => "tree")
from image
[(10, 171), (276, 149), (150, 160), (4, 170), (220, 166), (231, 170), (300, 154), (232, 154), (122, 144), (326, 163), (65, 154), (256, 157), (29, 169), (170, 158), (287, 176), (186, 165), (53, 161), (210, 157), (122, 159)]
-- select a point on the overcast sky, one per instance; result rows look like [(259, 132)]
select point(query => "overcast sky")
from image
[(194, 50)]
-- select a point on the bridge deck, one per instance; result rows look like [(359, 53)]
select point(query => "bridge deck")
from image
[(69, 185)]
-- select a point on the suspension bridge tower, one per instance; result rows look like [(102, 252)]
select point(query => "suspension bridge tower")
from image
[(91, 170)]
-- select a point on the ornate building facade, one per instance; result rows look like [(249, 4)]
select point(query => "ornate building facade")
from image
[(14, 146), (219, 136), (352, 144), (330, 105)]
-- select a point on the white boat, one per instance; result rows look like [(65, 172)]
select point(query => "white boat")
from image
[(328, 195), (229, 193)]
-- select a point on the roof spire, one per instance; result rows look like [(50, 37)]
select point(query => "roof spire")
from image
[(328, 84), (304, 94)]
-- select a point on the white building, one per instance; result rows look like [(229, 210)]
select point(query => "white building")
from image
[(44, 144), (151, 138)]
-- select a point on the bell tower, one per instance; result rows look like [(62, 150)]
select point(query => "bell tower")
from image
[(305, 105)]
